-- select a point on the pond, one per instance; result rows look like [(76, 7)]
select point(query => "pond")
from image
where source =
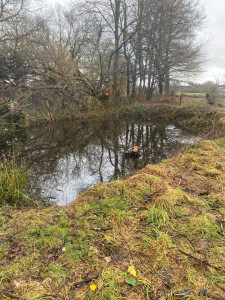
[(69, 157)]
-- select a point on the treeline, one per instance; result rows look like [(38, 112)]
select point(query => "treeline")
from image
[(205, 87), (94, 50)]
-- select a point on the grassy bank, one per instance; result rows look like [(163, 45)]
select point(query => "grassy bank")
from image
[(192, 114), (209, 121), (166, 222)]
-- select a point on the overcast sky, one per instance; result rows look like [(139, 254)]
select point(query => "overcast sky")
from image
[(215, 34), (215, 10)]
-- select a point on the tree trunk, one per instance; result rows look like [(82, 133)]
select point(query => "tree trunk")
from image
[(116, 55), (167, 82), (160, 85)]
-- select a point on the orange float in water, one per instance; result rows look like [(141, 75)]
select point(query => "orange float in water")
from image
[(134, 153), (106, 94), (135, 149)]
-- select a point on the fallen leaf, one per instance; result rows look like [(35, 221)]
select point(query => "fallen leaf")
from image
[(108, 259), (203, 292), (132, 271), (183, 292), (131, 281), (202, 243), (56, 218)]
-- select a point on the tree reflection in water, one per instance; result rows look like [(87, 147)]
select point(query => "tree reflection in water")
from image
[(72, 156)]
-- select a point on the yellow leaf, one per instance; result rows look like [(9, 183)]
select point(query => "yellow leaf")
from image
[(132, 271), (63, 249), (93, 287)]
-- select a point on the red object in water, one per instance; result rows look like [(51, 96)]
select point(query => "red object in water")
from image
[(106, 94)]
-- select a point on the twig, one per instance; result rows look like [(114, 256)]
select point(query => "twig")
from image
[(200, 260), (12, 296), (100, 229), (78, 284), (210, 296), (220, 287), (19, 231), (44, 296), (14, 234)]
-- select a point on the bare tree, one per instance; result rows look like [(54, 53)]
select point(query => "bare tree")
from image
[(170, 29), (74, 54)]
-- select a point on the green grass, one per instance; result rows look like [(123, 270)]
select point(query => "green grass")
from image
[(12, 183), (191, 94), (196, 99)]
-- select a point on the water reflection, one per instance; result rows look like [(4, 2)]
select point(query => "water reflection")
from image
[(72, 156)]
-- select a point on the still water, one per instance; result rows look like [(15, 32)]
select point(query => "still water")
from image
[(71, 156)]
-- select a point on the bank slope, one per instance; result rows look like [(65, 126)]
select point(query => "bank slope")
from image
[(166, 222)]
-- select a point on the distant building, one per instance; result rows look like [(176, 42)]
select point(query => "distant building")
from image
[(221, 88)]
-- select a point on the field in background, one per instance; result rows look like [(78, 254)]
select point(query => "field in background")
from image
[(199, 99), (201, 95)]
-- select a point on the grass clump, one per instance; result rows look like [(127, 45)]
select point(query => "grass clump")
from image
[(12, 183)]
